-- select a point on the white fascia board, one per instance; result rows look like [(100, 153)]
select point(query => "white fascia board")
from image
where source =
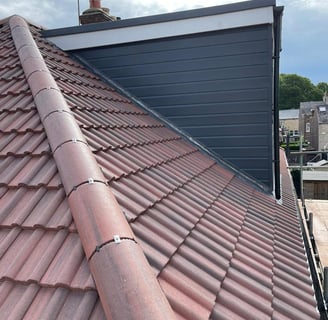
[(164, 29)]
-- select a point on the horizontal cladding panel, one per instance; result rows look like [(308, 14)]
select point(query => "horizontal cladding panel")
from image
[(239, 151), (199, 87), (246, 161), (261, 175), (218, 120), (251, 164), (184, 54), (228, 141), (255, 33), (211, 108), (209, 97), (216, 63), (196, 76), (226, 130), (259, 168)]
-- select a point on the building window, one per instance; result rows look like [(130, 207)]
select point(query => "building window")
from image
[(308, 127), (293, 133)]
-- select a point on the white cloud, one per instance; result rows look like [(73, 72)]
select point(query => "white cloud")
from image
[(40, 12)]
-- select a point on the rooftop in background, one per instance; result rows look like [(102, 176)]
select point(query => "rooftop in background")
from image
[(308, 105), (317, 175), (289, 114)]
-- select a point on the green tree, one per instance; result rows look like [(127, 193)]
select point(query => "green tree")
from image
[(295, 89), (323, 86)]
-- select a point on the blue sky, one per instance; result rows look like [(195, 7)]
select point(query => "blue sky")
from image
[(304, 38)]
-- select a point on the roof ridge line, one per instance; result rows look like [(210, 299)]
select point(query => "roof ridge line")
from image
[(127, 286)]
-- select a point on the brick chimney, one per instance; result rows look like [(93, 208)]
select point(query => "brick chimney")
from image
[(96, 13), (95, 4)]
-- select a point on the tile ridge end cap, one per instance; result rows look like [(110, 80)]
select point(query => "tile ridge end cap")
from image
[(17, 21)]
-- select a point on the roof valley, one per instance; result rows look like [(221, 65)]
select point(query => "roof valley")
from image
[(107, 239)]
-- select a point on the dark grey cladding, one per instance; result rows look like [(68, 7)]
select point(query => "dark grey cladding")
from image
[(220, 87), (217, 86)]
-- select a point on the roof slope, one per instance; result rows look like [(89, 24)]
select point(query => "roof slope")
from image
[(289, 114), (219, 247)]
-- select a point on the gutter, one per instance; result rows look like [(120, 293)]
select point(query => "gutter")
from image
[(309, 249), (278, 11), (127, 286)]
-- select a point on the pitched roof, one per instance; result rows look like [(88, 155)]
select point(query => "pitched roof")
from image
[(315, 175), (219, 247), (289, 114), (306, 107)]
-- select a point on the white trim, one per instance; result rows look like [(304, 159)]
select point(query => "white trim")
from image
[(164, 29)]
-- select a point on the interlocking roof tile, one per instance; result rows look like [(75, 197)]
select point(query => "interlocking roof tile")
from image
[(219, 247), (22, 207)]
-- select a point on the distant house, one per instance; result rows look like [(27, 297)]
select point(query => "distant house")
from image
[(322, 112), (314, 125), (289, 124)]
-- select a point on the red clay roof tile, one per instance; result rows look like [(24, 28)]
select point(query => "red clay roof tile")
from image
[(30, 301), (79, 172), (219, 247), (26, 143)]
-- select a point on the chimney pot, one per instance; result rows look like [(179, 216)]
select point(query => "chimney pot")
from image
[(96, 13), (95, 4)]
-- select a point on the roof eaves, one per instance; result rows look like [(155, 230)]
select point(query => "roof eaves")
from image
[(125, 282)]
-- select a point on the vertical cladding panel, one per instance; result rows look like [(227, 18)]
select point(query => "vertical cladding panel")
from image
[(216, 86)]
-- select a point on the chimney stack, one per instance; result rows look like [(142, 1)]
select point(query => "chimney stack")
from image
[(95, 4), (96, 13)]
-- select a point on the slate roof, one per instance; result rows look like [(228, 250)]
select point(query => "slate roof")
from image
[(318, 175), (219, 247), (305, 107), (319, 106), (289, 114)]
